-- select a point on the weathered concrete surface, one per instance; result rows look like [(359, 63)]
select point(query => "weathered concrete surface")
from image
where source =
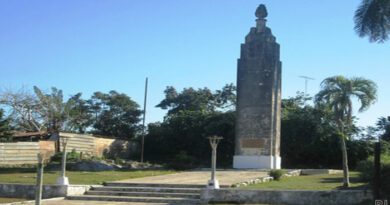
[(245, 196), (27, 191), (258, 99), (225, 177)]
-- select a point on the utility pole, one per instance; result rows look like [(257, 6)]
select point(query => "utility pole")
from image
[(306, 81), (143, 121)]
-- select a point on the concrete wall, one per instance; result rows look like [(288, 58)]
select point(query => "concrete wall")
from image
[(115, 148), (79, 142), (246, 196), (27, 191), (24, 152)]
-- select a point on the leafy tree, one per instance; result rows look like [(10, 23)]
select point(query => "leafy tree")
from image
[(80, 115), (337, 93), (383, 126), (372, 19), (198, 100), (180, 141), (26, 110), (117, 115), (53, 108), (5, 129)]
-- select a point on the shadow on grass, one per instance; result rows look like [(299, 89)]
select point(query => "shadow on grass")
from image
[(351, 180)]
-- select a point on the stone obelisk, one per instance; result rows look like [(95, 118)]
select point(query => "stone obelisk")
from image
[(257, 140)]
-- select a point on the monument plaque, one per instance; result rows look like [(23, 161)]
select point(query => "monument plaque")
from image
[(257, 140)]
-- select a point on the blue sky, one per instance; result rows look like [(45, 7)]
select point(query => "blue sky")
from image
[(87, 46)]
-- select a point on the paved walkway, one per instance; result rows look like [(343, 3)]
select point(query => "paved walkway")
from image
[(80, 202), (225, 177)]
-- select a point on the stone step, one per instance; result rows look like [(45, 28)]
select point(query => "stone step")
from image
[(144, 194), (135, 199), (146, 189), (126, 184)]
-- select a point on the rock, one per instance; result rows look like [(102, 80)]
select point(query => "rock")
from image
[(93, 166)]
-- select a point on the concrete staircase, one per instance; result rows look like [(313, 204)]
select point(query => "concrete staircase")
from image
[(144, 192)]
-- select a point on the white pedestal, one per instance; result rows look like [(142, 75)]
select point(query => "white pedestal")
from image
[(256, 162), (213, 184), (62, 181)]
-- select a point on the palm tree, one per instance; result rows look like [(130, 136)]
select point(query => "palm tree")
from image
[(337, 93), (372, 19)]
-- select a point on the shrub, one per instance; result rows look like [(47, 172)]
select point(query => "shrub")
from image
[(277, 173), (366, 168), (70, 155)]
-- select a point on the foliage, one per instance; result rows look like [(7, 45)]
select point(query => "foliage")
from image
[(372, 19), (53, 108), (80, 115), (309, 137), (181, 139), (197, 100), (57, 157), (336, 94), (277, 173), (26, 110), (5, 129), (366, 167), (117, 115)]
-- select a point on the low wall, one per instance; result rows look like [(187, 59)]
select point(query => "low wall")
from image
[(27, 191), (246, 196), (115, 148), (15, 153)]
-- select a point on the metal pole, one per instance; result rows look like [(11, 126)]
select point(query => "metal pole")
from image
[(143, 121), (38, 187)]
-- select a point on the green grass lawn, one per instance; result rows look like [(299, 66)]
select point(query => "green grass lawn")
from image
[(311, 182), (78, 177)]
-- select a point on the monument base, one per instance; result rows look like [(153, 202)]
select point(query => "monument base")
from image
[(62, 181), (256, 162), (213, 184)]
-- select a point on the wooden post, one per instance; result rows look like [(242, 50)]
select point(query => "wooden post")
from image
[(38, 188)]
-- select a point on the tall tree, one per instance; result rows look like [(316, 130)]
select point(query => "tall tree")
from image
[(337, 93), (5, 129), (54, 109), (80, 115), (117, 115), (198, 100), (26, 110), (372, 19)]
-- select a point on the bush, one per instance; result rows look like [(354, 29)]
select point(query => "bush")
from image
[(366, 168), (277, 174), (57, 157)]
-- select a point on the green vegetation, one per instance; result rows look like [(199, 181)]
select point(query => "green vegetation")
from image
[(277, 174), (311, 182), (336, 94), (5, 129), (372, 20), (77, 177), (366, 169)]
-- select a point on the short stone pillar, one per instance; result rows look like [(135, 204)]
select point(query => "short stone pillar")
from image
[(213, 182)]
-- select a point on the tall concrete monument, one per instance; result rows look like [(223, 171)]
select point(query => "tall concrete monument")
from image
[(257, 140)]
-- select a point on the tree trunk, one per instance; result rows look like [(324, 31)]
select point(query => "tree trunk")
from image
[(345, 155), (345, 162)]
